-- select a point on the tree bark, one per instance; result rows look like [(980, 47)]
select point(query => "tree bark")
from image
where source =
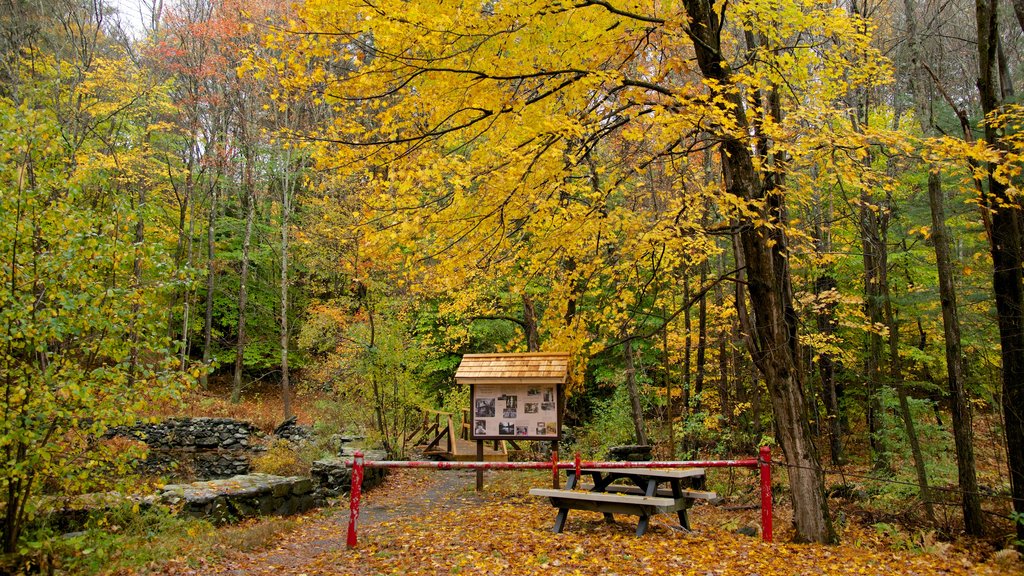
[(775, 321)]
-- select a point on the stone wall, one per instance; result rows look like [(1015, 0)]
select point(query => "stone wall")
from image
[(192, 434), (241, 497), (205, 448)]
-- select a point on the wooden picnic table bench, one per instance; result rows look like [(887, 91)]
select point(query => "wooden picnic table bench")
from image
[(641, 497)]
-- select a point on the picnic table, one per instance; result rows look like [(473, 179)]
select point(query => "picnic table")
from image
[(642, 495)]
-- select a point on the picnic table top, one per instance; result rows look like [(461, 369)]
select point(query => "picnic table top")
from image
[(666, 473)]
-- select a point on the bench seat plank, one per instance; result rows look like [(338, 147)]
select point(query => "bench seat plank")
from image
[(604, 497), (663, 492)]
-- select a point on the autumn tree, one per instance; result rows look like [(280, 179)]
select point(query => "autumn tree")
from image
[(84, 345)]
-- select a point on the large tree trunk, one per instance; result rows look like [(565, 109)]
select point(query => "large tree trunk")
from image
[(1006, 263), (775, 322)]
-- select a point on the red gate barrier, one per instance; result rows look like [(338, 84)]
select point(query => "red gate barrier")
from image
[(763, 463)]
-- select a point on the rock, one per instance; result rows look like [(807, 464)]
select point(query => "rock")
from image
[(747, 531), (289, 423), (290, 430), (630, 452)]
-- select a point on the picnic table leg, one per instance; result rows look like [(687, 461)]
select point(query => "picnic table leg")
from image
[(563, 513), (684, 518), (609, 517), (641, 526), (560, 520)]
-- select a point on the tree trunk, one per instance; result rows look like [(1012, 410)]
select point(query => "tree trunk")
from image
[(250, 213), (687, 347), (724, 334), (895, 376), (1006, 263), (530, 324), (826, 320), (960, 409), (211, 249), (775, 320), (667, 371), (702, 339), (634, 395), (873, 244), (963, 433), (286, 207)]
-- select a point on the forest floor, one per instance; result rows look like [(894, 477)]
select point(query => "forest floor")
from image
[(423, 522)]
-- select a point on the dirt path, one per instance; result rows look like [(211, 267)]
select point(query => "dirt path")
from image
[(406, 495)]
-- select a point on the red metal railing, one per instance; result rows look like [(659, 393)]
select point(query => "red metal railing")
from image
[(762, 463)]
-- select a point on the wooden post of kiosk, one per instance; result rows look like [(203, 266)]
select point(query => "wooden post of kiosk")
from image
[(479, 471)]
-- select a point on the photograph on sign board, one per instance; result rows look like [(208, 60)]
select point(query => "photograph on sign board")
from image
[(485, 407), (522, 430), (480, 427), (530, 407), (511, 405), (507, 428)]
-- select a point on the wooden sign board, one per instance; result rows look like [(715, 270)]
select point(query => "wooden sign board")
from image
[(515, 396), (515, 412)]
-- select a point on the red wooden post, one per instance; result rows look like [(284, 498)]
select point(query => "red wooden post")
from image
[(577, 468), (765, 464), (554, 468), (354, 495)]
